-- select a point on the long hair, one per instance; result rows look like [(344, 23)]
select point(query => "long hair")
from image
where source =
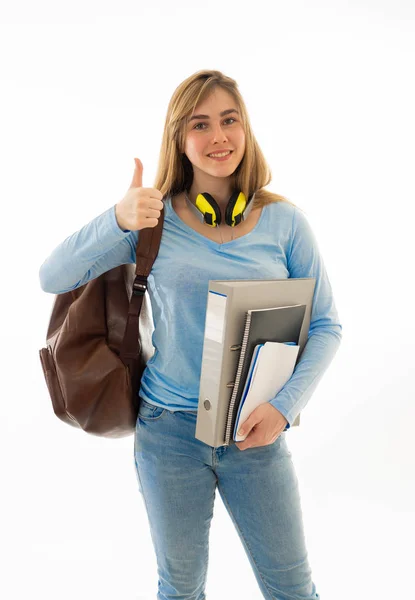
[(175, 171)]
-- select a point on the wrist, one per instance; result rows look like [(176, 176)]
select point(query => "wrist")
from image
[(119, 220)]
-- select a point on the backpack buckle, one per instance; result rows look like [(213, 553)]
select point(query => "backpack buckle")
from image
[(139, 287)]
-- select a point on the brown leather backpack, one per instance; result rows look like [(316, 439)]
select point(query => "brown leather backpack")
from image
[(98, 343)]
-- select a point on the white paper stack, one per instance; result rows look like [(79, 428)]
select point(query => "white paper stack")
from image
[(271, 367)]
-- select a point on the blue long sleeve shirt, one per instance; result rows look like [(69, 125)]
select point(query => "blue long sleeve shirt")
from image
[(281, 245)]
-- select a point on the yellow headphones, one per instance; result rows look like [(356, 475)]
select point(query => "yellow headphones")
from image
[(208, 211)]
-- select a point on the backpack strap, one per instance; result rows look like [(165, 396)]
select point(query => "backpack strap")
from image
[(148, 246)]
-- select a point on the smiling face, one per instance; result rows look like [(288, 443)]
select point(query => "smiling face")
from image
[(212, 133)]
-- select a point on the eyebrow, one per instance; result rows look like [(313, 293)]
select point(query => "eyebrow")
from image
[(222, 114)]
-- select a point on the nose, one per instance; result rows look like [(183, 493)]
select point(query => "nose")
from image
[(219, 134)]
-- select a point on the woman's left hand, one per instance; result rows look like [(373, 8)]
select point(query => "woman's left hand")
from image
[(263, 426)]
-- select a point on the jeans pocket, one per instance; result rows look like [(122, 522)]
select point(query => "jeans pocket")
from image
[(150, 412)]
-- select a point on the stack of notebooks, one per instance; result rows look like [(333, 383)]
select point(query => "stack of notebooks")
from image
[(255, 333)]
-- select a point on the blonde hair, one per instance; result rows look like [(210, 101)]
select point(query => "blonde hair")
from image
[(175, 171)]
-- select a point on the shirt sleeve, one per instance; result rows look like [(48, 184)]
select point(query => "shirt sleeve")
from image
[(325, 333), (96, 248)]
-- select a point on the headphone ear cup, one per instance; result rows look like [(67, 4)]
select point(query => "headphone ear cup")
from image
[(204, 198), (237, 199)]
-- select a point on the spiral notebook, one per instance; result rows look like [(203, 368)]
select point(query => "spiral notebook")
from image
[(228, 302), (277, 324)]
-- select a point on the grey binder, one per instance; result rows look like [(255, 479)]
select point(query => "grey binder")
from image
[(227, 305)]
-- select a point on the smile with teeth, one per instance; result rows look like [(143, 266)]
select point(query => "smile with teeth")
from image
[(219, 155)]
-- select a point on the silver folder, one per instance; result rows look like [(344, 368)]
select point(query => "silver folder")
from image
[(227, 305)]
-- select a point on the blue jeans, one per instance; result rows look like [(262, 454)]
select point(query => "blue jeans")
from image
[(178, 475)]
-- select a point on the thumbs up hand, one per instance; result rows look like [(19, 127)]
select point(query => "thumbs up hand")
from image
[(140, 207)]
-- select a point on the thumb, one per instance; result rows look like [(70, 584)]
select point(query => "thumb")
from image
[(138, 174), (246, 427)]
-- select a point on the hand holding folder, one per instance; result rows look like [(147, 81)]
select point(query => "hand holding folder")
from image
[(271, 367), (279, 310)]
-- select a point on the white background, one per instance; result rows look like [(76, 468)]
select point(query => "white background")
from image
[(329, 87)]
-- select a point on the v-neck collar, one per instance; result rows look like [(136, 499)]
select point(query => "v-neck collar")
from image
[(185, 227)]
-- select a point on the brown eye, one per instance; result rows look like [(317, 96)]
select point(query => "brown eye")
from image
[(196, 126)]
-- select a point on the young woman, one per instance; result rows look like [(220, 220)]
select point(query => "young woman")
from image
[(270, 239)]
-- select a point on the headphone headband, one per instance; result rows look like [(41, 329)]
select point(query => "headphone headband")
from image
[(213, 210)]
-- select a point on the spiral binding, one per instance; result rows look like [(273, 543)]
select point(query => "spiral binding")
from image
[(235, 384)]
